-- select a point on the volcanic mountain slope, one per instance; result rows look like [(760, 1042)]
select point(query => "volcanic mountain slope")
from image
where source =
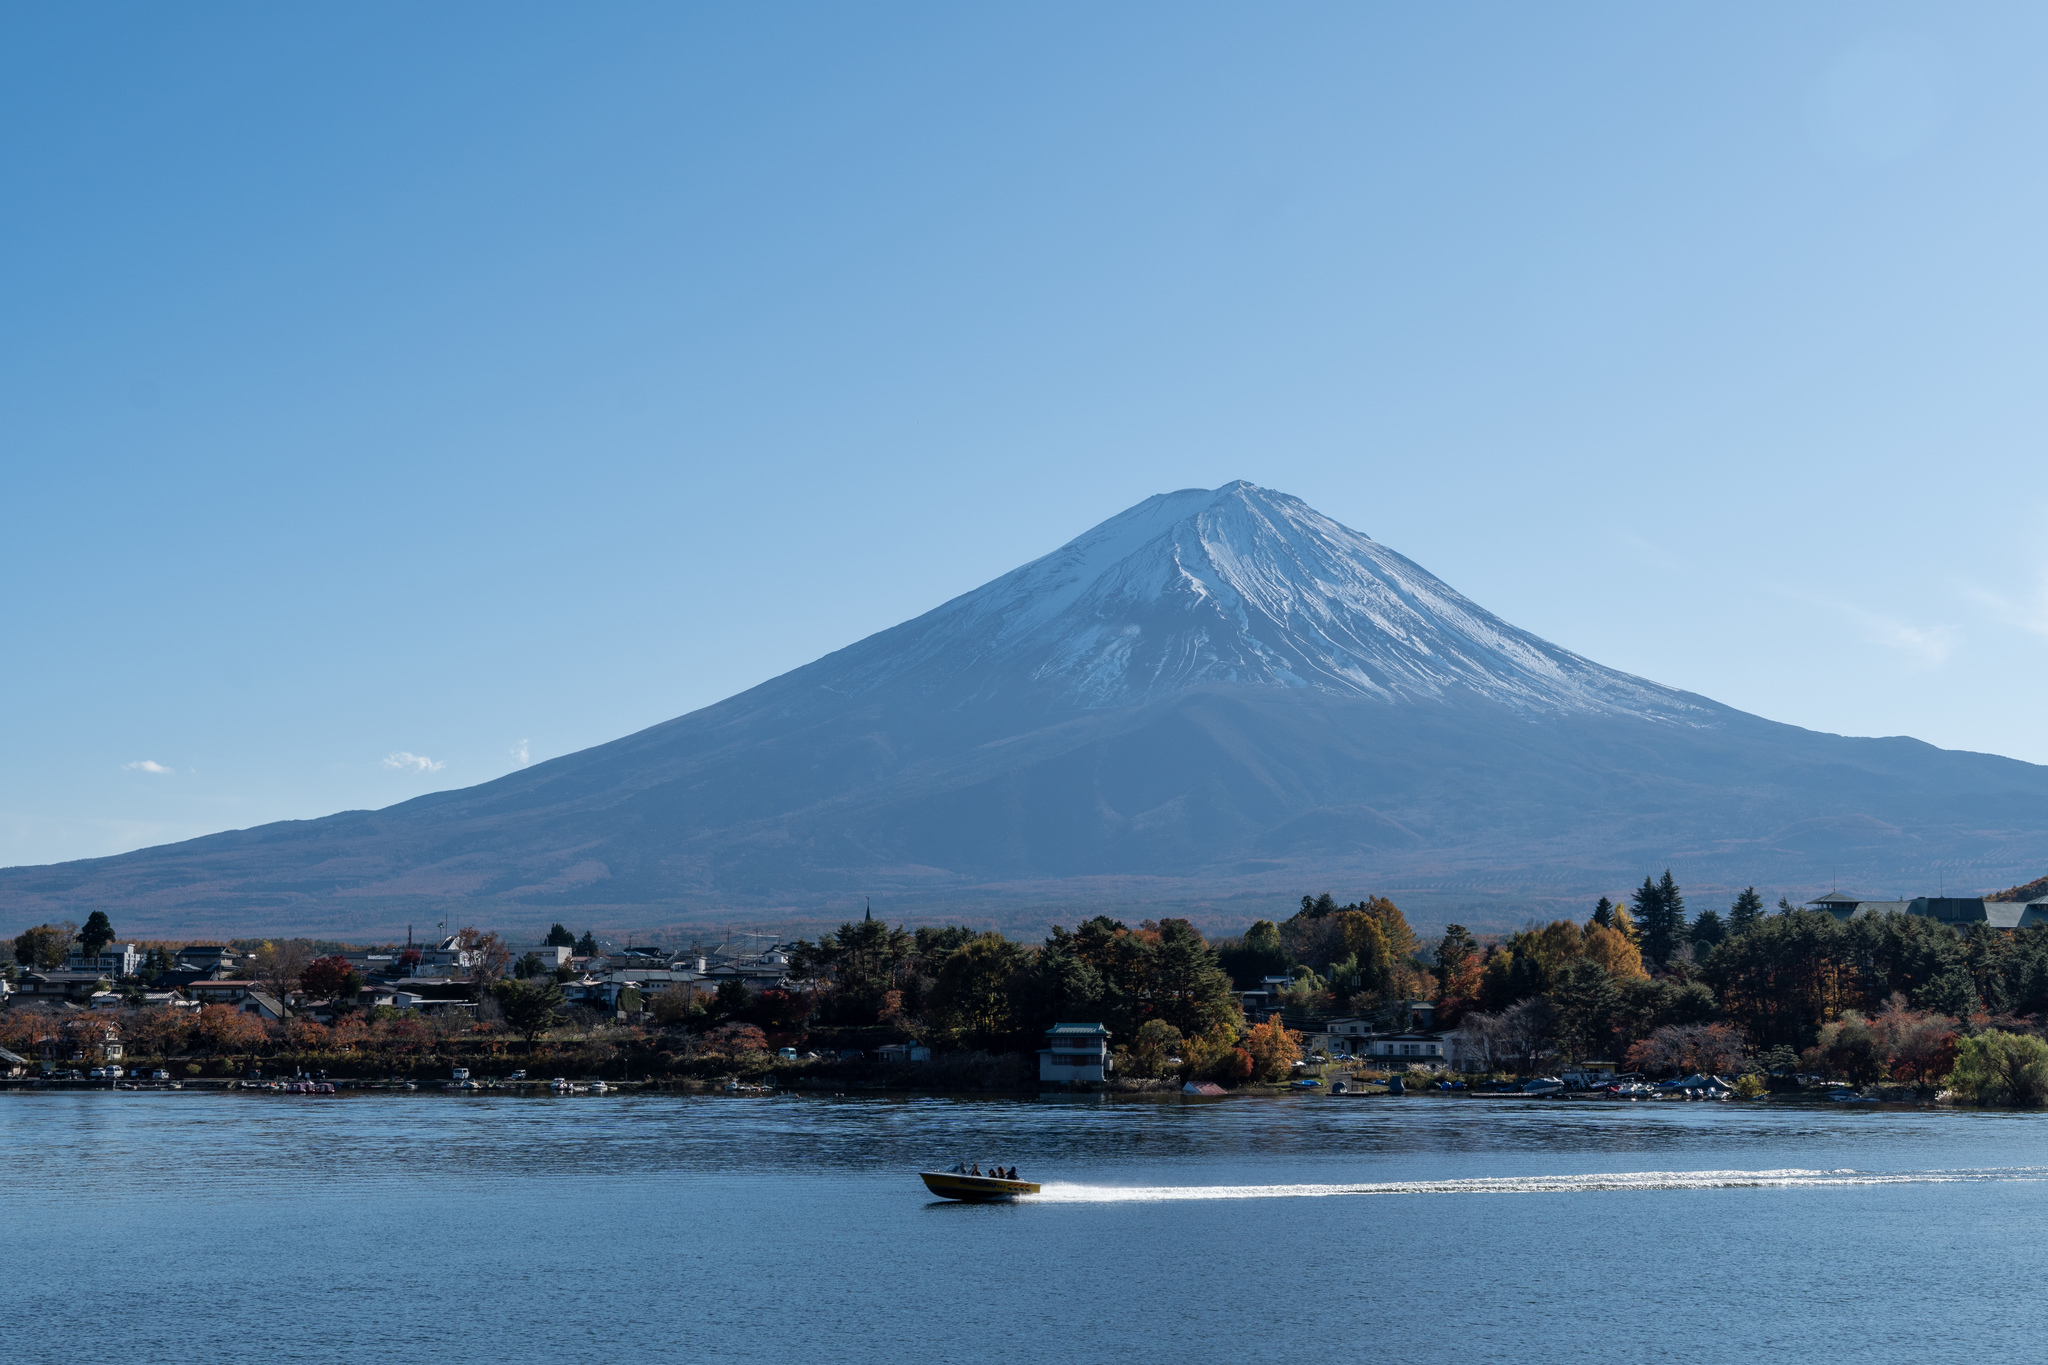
[(1217, 698)]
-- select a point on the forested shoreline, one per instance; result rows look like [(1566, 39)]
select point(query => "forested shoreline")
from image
[(1781, 995)]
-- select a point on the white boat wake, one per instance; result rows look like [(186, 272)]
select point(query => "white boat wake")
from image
[(1792, 1178)]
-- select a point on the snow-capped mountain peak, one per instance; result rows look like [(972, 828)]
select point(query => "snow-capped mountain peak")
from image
[(1235, 585)]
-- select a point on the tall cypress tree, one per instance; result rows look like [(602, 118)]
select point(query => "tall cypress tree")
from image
[(1660, 916), (1747, 910), (1674, 904)]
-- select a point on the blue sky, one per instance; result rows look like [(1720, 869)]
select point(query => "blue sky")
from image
[(390, 395)]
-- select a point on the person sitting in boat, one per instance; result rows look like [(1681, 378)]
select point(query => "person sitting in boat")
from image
[(976, 1170)]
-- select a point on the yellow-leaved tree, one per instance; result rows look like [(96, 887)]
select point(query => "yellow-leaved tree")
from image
[(1615, 951)]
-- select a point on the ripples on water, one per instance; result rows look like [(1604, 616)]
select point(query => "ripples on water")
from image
[(420, 1227)]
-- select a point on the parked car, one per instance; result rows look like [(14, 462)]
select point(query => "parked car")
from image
[(519, 1075), (159, 1075), (99, 1073), (787, 1054)]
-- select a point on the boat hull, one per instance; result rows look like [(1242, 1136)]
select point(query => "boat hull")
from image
[(974, 1189)]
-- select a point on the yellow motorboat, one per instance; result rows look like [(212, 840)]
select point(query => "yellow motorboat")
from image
[(974, 1188)]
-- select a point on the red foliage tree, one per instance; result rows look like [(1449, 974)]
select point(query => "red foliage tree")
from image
[(328, 978), (733, 1039), (225, 1029)]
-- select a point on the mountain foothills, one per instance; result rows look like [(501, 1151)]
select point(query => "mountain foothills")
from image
[(1203, 704)]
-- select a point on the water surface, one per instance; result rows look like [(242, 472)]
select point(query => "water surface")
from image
[(407, 1228)]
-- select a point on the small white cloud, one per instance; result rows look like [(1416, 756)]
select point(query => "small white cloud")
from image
[(412, 763), (2026, 613), (1931, 644), (520, 754), (147, 765)]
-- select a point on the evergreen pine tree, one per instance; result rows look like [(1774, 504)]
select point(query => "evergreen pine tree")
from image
[(587, 945), (1674, 904), (1603, 913), (96, 934), (558, 937), (1747, 910), (1455, 949), (1707, 931), (1660, 918)]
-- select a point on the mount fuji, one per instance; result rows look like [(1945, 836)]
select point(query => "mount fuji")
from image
[(1209, 704)]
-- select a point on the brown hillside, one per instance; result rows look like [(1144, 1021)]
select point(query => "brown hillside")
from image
[(2036, 887)]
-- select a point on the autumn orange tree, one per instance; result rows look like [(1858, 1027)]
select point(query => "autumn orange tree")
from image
[(225, 1030), (1274, 1050), (306, 1035), (156, 1032), (24, 1026)]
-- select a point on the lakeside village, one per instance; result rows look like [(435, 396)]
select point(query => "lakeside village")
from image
[(1847, 997)]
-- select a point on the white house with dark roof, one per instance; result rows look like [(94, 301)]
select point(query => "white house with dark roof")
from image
[(116, 959), (1074, 1052)]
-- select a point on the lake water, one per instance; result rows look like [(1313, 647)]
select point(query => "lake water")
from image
[(403, 1228)]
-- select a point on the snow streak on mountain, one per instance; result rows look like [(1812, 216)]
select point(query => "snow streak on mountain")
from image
[(1239, 585)]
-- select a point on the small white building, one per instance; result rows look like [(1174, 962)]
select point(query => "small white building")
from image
[(116, 959), (1406, 1049), (1074, 1052)]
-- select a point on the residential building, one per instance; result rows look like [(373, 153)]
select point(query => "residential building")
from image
[(12, 1066), (1346, 1036), (430, 1004), (263, 1005), (74, 986), (1953, 910), (1074, 1052), (231, 992), (115, 960), (906, 1052), (374, 962), (97, 1043), (553, 956), (442, 959), (654, 980), (1406, 1049), (246, 996), (211, 958)]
